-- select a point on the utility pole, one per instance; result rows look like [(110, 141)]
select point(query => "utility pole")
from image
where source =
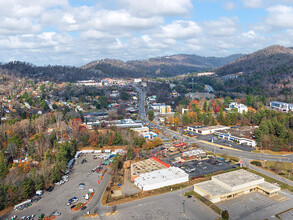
[(183, 203)]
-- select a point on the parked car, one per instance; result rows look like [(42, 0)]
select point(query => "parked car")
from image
[(83, 208), (73, 206), (56, 213), (50, 189), (81, 186)]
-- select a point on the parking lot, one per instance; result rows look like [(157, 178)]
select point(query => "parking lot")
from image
[(196, 168), (57, 199), (170, 206), (225, 142), (257, 206)]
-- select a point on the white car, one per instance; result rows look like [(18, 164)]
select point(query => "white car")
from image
[(57, 213)]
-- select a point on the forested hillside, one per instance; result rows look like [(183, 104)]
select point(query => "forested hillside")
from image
[(50, 73), (268, 71), (160, 66)]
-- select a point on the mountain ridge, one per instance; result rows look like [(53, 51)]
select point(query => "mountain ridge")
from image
[(166, 65), (261, 60)]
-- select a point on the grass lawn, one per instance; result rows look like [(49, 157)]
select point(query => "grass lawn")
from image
[(271, 152)]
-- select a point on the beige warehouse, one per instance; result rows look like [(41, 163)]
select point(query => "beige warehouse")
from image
[(232, 184)]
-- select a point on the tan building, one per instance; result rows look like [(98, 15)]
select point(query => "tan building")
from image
[(140, 129), (232, 184), (164, 109), (146, 166)]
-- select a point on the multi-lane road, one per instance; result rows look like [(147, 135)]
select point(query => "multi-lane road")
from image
[(210, 146)]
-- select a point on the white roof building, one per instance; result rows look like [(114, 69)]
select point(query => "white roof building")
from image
[(229, 185), (192, 153), (207, 130), (161, 178)]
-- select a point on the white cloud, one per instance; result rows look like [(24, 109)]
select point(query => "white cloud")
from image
[(179, 29), (55, 32), (230, 6), (18, 26), (19, 17), (252, 3), (31, 8), (222, 27), (280, 16), (250, 34), (159, 7), (85, 18)]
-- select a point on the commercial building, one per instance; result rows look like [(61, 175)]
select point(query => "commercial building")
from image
[(232, 184), (239, 106), (161, 178), (147, 166), (161, 107), (141, 129), (88, 83), (164, 109), (127, 123), (207, 130), (241, 134), (148, 135), (281, 106), (193, 154), (206, 74)]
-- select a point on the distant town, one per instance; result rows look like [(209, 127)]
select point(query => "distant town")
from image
[(115, 143)]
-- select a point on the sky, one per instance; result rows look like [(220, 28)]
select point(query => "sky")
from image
[(76, 32)]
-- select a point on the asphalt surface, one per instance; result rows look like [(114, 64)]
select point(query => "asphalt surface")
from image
[(224, 142), (167, 206), (257, 206), (57, 199), (244, 155)]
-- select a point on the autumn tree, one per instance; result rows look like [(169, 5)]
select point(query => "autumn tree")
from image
[(171, 119), (176, 121)]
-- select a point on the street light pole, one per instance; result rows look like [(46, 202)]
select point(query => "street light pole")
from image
[(183, 203)]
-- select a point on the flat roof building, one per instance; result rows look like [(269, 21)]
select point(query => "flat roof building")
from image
[(235, 183), (207, 130), (281, 106), (161, 178), (148, 135), (241, 134), (193, 154), (140, 129), (147, 166)]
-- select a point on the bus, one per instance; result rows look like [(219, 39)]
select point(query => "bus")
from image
[(23, 204)]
